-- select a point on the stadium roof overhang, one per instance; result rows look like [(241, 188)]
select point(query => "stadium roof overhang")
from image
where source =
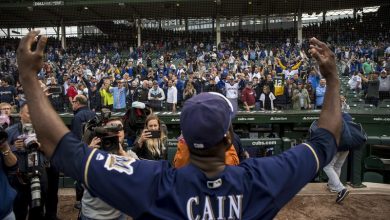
[(41, 13)]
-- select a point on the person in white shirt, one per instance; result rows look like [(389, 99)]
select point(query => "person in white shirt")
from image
[(66, 84), (231, 87), (82, 90), (355, 83), (171, 97)]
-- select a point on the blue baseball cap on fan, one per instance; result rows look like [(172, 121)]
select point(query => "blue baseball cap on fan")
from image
[(205, 119)]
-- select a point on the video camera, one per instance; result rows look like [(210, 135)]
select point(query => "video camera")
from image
[(108, 134)]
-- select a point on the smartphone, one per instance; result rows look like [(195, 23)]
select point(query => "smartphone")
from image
[(155, 134), (55, 90)]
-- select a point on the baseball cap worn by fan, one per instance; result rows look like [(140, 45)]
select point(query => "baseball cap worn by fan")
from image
[(205, 119)]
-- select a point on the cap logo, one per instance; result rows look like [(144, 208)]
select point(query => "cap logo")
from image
[(198, 146)]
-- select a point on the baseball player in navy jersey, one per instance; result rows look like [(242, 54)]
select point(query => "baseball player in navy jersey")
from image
[(206, 188)]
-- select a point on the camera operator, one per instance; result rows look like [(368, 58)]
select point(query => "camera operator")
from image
[(8, 166), (92, 207), (22, 184)]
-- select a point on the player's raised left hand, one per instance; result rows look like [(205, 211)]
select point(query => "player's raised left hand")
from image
[(325, 58), (30, 62)]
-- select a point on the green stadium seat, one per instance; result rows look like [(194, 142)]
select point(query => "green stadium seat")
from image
[(287, 143), (373, 163), (354, 106), (386, 101), (361, 106), (367, 106), (351, 95), (384, 105), (355, 100), (385, 140), (373, 140), (373, 177)]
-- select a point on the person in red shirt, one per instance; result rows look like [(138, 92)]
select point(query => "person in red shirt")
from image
[(248, 96), (71, 92)]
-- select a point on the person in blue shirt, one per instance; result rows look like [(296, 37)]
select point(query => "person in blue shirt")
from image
[(314, 78), (8, 165), (81, 114), (119, 93), (204, 189), (320, 93)]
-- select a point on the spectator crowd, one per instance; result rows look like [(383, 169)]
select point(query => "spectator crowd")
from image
[(253, 71)]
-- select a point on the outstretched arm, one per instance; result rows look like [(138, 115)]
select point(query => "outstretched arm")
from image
[(48, 126), (330, 117)]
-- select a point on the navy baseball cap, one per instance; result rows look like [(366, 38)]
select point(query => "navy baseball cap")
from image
[(205, 119)]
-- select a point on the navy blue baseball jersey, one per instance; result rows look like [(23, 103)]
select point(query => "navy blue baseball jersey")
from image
[(256, 189)]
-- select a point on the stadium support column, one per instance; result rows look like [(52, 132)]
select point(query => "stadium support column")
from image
[(8, 32), (63, 35), (323, 17), (57, 32), (82, 31), (299, 27), (218, 30), (239, 24), (186, 24), (139, 32)]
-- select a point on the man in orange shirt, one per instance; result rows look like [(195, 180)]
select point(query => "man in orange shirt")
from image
[(233, 156), (182, 156)]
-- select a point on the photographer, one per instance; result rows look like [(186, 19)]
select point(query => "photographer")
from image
[(151, 143), (93, 207), (22, 184), (8, 165)]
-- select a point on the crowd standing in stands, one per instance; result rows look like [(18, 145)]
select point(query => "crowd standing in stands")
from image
[(253, 70), (112, 73)]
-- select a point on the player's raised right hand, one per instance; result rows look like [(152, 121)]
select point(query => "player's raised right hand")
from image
[(30, 62)]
